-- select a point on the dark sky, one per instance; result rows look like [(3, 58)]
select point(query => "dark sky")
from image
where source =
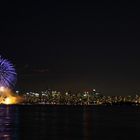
[(76, 46)]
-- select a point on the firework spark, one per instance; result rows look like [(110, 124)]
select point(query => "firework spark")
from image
[(8, 74)]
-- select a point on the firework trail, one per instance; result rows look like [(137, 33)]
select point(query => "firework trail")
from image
[(8, 76)]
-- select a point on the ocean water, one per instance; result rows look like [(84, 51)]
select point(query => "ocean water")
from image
[(43, 122)]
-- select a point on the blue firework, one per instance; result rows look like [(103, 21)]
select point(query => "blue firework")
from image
[(8, 74)]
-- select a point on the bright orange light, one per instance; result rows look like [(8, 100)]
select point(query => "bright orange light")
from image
[(7, 101), (8, 97), (10, 100)]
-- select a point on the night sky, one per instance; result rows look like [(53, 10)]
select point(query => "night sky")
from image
[(73, 46)]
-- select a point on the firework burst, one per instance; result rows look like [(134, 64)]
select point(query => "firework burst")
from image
[(8, 74)]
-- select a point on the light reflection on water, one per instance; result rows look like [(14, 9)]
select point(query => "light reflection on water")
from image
[(8, 123), (69, 123)]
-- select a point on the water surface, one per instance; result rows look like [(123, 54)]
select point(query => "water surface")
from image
[(45, 122)]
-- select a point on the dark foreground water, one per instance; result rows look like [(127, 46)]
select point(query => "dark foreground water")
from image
[(69, 123)]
